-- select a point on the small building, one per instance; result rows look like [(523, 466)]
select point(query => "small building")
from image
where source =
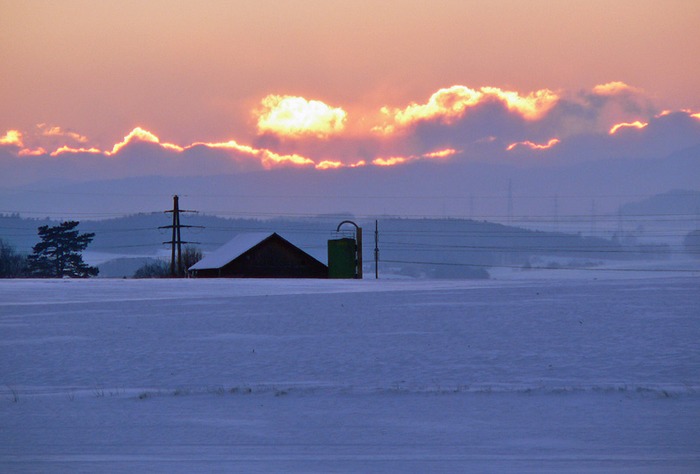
[(258, 255), (342, 258)]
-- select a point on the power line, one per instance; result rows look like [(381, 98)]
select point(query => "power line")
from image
[(466, 197), (515, 219), (453, 264)]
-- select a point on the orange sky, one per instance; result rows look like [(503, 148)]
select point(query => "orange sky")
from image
[(196, 71)]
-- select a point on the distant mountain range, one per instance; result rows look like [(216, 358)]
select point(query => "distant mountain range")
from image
[(467, 189), (676, 202)]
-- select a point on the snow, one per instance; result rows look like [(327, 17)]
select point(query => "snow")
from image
[(231, 250), (597, 372)]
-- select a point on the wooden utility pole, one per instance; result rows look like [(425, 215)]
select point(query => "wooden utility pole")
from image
[(358, 237), (176, 269), (376, 250)]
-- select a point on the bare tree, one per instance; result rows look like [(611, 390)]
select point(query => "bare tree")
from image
[(12, 264), (191, 255)]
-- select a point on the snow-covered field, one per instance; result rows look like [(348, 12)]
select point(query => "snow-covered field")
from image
[(515, 375)]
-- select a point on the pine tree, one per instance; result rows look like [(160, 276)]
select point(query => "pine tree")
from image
[(58, 254)]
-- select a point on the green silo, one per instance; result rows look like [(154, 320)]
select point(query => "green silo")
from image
[(341, 258)]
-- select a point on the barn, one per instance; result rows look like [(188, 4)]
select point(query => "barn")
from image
[(258, 255)]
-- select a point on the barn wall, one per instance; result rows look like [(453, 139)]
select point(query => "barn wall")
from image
[(274, 258)]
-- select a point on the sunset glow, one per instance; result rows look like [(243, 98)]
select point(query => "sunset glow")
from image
[(532, 106), (450, 104), (312, 121), (296, 116), (447, 152), (59, 132), (32, 152), (309, 124), (445, 104), (637, 124), (12, 137), (96, 91), (229, 145), (534, 146), (613, 88), (67, 149), (270, 158), (326, 164), (139, 134), (394, 160)]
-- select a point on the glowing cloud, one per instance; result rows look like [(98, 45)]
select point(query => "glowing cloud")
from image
[(327, 164), (142, 135), (475, 123), (614, 88), (390, 161), (532, 106), (270, 158), (637, 124), (533, 146), (267, 158), (394, 160), (295, 117), (12, 137), (446, 104), (689, 112), (59, 132), (229, 145), (450, 104), (447, 152), (29, 152), (67, 149)]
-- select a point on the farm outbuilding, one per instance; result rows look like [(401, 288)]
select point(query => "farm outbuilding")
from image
[(258, 255)]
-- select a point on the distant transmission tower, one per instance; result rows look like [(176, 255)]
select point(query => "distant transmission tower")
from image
[(556, 213), (594, 224), (376, 250), (176, 268), (510, 201)]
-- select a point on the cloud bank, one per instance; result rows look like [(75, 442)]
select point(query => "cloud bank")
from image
[(456, 123)]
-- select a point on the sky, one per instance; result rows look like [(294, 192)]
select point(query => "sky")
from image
[(328, 84)]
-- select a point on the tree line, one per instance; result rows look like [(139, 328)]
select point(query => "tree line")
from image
[(58, 254)]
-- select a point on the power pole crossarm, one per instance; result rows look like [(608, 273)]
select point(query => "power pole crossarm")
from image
[(176, 241)]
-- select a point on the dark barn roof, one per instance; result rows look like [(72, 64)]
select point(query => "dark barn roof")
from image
[(259, 255)]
